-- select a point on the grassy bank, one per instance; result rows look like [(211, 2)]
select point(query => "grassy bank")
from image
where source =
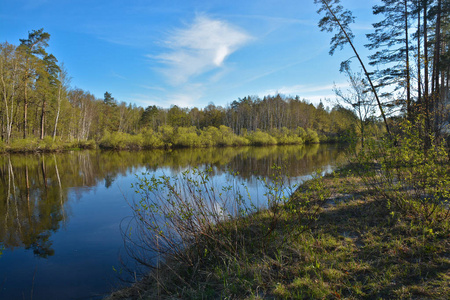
[(45, 145), (341, 242), (168, 137)]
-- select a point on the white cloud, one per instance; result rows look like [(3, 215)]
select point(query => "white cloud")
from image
[(187, 96), (301, 90), (145, 100), (117, 75), (313, 93), (199, 48)]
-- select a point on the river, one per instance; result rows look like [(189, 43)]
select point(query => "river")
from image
[(60, 214)]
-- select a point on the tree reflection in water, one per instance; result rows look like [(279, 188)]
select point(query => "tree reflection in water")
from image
[(34, 187)]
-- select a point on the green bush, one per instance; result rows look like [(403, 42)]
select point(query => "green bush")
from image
[(151, 139), (208, 136), (167, 133), (186, 137), (284, 136), (260, 138), (121, 141), (48, 145), (407, 177), (311, 137), (88, 144), (226, 137), (23, 145)]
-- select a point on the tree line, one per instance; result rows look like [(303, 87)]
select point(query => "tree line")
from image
[(38, 104)]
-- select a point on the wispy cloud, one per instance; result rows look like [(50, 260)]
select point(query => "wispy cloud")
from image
[(201, 47), (153, 88), (117, 75), (188, 96), (313, 93), (145, 100), (300, 89)]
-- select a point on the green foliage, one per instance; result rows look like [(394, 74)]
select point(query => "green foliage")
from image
[(408, 177), (47, 144), (152, 140), (24, 145), (167, 133), (259, 138), (284, 136), (311, 137), (226, 137), (120, 141), (186, 137)]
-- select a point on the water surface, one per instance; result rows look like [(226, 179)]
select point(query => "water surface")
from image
[(60, 213)]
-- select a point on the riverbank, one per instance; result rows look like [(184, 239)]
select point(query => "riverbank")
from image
[(343, 244), (47, 144), (168, 137)]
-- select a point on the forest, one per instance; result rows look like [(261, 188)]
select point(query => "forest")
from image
[(39, 109)]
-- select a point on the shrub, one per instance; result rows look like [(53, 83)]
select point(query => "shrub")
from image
[(47, 144), (186, 137), (23, 145), (284, 136), (120, 140), (226, 137), (151, 139), (407, 177), (260, 138), (167, 134), (209, 136), (311, 137)]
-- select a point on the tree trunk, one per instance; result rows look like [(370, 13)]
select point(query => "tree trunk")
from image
[(43, 119), (25, 112), (419, 79), (57, 111), (408, 79)]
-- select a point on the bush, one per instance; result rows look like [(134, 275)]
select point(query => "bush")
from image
[(286, 137), (151, 139), (311, 137), (48, 145), (121, 141), (186, 137), (167, 133), (23, 145), (226, 137), (407, 177), (208, 136), (260, 138)]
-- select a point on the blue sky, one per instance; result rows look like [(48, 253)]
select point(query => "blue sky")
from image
[(189, 53)]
